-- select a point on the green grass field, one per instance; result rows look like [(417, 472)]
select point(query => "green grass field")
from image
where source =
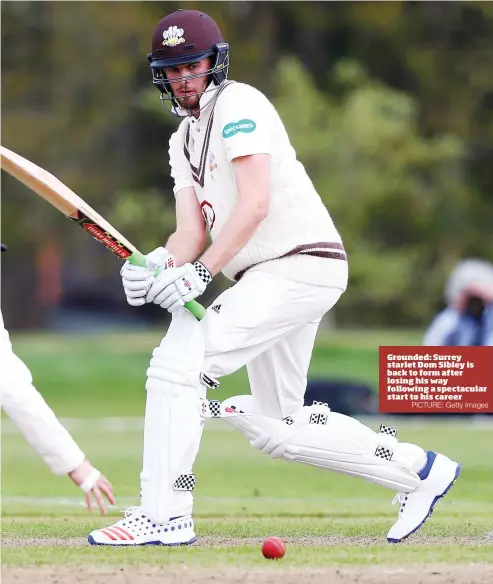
[(80, 373), (328, 521)]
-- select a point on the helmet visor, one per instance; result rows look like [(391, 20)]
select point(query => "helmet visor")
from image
[(179, 60)]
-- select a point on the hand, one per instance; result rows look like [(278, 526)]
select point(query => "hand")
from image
[(92, 482), (174, 287), (137, 280), (483, 291)]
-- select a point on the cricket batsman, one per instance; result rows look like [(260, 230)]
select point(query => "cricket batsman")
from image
[(41, 428), (237, 178)]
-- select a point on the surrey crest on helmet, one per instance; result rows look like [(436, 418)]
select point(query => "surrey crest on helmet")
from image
[(173, 36)]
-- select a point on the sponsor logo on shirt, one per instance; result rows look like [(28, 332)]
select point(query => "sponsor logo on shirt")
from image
[(245, 126)]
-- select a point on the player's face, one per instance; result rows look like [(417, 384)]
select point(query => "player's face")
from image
[(188, 82)]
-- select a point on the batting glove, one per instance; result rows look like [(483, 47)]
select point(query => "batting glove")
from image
[(137, 280), (175, 287)]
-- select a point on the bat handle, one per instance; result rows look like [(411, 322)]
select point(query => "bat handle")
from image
[(196, 309)]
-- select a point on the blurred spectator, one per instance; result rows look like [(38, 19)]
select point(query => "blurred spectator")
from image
[(467, 318)]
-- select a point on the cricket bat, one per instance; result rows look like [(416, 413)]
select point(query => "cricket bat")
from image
[(76, 209)]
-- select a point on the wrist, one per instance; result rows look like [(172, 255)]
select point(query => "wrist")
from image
[(202, 272), (91, 479), (85, 476)]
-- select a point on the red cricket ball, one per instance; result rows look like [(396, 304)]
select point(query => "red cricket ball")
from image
[(273, 548)]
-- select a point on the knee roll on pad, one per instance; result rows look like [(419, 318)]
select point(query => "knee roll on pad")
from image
[(317, 436)]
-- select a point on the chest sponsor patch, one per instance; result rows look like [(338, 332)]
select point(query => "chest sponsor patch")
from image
[(245, 126)]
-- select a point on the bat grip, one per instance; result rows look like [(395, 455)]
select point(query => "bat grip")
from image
[(196, 309)]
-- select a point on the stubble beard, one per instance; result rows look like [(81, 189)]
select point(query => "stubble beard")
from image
[(189, 103)]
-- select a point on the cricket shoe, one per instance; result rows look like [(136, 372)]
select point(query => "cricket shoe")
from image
[(437, 477), (137, 529)]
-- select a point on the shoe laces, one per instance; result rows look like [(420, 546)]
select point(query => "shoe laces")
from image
[(132, 511), (400, 498)]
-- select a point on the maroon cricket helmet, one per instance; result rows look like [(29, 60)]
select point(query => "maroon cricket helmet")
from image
[(187, 36)]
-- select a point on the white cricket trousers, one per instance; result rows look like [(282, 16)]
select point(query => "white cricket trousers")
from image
[(268, 323)]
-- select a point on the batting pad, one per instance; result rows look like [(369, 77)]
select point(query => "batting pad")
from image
[(319, 437), (173, 421)]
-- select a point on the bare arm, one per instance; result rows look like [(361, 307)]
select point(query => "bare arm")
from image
[(252, 174), (190, 237)]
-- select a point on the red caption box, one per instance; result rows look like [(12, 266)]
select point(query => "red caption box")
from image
[(444, 380)]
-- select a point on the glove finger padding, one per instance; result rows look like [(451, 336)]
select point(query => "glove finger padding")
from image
[(178, 302), (136, 293), (138, 275), (136, 301), (167, 297), (139, 286), (191, 295), (161, 282), (136, 281), (129, 267)]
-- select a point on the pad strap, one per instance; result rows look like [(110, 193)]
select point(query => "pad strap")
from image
[(209, 381), (383, 451), (185, 482)]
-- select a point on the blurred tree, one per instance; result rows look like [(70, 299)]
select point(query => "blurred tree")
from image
[(68, 92), (398, 199), (388, 104)]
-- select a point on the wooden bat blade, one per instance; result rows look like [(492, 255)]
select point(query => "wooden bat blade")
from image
[(50, 188), (72, 206), (40, 181)]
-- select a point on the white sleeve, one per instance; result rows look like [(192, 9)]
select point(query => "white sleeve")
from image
[(34, 418), (246, 121), (180, 167)]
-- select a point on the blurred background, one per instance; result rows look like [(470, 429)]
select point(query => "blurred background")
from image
[(388, 105)]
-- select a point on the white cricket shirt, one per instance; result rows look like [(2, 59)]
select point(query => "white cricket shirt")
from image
[(238, 121)]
